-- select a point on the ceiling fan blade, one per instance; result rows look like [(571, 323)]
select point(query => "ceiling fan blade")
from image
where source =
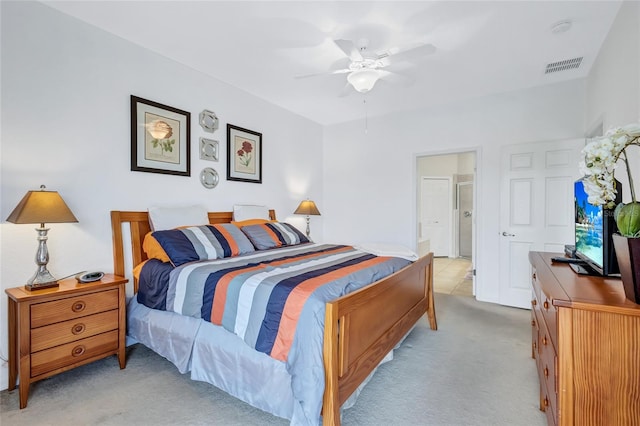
[(342, 71), (349, 49), (412, 54), (341, 66)]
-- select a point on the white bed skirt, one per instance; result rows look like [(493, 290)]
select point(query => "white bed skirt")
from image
[(215, 356)]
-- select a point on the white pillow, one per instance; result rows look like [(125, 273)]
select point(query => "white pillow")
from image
[(247, 211), (162, 218), (385, 249)]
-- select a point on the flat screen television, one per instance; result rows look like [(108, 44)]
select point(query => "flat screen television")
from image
[(594, 227)]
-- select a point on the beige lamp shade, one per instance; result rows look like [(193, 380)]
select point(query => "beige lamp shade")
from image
[(42, 207), (308, 208)]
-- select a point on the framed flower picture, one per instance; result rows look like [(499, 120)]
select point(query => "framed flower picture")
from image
[(160, 138), (244, 155)]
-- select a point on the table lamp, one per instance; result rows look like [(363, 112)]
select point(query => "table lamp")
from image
[(42, 207), (307, 207)]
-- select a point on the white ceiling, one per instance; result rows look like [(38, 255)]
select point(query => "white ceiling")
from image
[(482, 47)]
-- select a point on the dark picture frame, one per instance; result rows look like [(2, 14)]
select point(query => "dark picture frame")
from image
[(160, 138), (244, 155)]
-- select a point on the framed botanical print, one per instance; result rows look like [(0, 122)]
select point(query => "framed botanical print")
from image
[(244, 155), (160, 138)]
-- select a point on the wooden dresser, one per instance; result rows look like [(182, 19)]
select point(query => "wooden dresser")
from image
[(56, 329), (586, 343)]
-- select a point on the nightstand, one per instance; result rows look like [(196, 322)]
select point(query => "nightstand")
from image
[(56, 329)]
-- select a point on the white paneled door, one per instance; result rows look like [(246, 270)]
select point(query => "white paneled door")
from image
[(536, 210), (435, 214)]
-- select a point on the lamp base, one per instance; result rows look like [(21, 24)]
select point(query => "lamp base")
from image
[(38, 286), (41, 279)]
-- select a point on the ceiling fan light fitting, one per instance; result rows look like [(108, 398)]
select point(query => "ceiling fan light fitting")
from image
[(363, 80)]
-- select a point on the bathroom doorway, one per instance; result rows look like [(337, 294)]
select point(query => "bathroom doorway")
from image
[(454, 270)]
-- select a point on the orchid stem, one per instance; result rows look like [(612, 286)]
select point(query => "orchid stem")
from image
[(626, 163)]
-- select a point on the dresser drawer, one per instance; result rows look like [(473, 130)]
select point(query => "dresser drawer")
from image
[(73, 307), (70, 353), (72, 330), (547, 372), (550, 315), (534, 334)]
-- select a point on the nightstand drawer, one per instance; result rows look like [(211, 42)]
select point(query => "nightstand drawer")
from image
[(64, 355), (72, 330), (73, 307)]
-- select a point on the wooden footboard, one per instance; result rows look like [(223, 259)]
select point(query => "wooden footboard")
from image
[(363, 326)]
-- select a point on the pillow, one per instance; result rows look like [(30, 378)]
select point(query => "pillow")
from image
[(138, 269), (248, 222), (162, 218), (274, 234), (384, 249), (204, 242), (244, 211), (153, 249)]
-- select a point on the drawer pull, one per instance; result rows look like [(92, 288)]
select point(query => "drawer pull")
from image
[(546, 372), (535, 346), (534, 302), (544, 340), (534, 276), (546, 304), (78, 350), (78, 306), (546, 401), (533, 323), (78, 328)]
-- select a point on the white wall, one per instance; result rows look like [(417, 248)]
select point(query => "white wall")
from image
[(66, 124), (369, 179), (613, 85)]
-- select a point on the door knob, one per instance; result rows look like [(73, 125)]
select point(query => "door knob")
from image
[(506, 234), (467, 214)]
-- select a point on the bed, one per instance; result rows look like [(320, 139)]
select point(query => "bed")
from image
[(359, 330)]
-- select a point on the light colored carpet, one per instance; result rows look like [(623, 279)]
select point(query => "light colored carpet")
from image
[(475, 370)]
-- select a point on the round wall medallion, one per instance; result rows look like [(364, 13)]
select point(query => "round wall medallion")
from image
[(209, 178), (209, 121)]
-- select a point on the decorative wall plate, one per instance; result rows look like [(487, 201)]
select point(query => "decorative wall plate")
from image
[(208, 149), (209, 178), (208, 121)]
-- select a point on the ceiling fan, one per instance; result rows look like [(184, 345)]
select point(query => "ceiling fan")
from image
[(365, 66)]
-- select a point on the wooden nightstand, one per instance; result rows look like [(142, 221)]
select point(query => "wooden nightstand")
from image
[(56, 329)]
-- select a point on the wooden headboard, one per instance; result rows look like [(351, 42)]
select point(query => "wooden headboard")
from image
[(139, 227)]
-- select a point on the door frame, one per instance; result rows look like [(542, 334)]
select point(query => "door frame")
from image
[(478, 209)]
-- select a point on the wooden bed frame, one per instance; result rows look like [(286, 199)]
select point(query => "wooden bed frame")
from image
[(360, 327)]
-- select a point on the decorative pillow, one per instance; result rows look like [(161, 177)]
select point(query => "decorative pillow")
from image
[(274, 234), (244, 211), (162, 218), (205, 242)]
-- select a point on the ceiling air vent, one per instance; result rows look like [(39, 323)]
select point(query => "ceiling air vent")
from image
[(567, 64)]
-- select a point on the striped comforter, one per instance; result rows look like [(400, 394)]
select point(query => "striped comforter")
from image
[(274, 299)]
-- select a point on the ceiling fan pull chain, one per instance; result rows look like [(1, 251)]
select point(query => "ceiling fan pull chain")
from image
[(366, 116)]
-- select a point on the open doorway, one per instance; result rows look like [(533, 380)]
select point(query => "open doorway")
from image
[(446, 220)]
